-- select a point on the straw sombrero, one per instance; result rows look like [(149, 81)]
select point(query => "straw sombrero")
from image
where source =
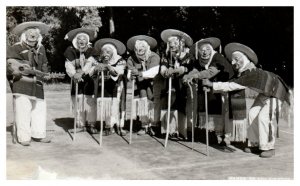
[(19, 29), (118, 44), (71, 34), (172, 32), (150, 40), (213, 41), (232, 47)]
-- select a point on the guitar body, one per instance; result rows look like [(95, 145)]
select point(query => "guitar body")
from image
[(19, 66), (28, 84), (24, 67)]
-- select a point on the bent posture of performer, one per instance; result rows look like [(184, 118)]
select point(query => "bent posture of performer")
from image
[(175, 65), (78, 64), (209, 64), (109, 53), (271, 92), (144, 65), (29, 56)]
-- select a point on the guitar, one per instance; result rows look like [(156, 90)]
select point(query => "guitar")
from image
[(25, 69)]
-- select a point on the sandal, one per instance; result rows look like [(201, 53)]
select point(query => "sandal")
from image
[(92, 130), (151, 131), (42, 140), (107, 131), (25, 143)]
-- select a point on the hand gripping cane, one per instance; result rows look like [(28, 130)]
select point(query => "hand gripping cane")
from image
[(131, 114), (169, 105), (206, 118), (192, 120), (101, 112), (75, 109)]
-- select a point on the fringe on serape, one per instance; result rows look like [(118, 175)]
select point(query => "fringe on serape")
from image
[(143, 108), (239, 127), (239, 130), (81, 103), (111, 113), (215, 122)]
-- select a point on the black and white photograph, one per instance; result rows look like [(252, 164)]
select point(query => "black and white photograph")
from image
[(148, 92)]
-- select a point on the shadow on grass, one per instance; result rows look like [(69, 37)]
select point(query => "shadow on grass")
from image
[(65, 123), (9, 128), (200, 137)]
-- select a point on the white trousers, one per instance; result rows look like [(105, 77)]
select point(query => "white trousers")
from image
[(86, 110), (259, 120), (30, 118)]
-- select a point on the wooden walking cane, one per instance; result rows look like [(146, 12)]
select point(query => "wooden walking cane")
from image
[(96, 85), (169, 105), (75, 109), (191, 90), (102, 102), (131, 114), (206, 119), (14, 127)]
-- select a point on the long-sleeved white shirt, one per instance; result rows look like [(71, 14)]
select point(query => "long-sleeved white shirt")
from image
[(227, 86), (84, 64), (151, 73)]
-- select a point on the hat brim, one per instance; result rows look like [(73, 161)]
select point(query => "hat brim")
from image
[(19, 29), (233, 47), (71, 34), (150, 40), (118, 44), (213, 41), (172, 32)]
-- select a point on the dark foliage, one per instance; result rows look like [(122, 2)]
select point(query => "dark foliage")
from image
[(269, 31)]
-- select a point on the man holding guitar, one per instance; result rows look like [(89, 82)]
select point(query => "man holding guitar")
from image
[(26, 67)]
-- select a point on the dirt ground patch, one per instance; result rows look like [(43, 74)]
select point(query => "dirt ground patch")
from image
[(144, 159)]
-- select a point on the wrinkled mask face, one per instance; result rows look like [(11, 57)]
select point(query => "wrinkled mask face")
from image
[(106, 53), (140, 48), (32, 36), (82, 41), (239, 61), (174, 44), (205, 51)]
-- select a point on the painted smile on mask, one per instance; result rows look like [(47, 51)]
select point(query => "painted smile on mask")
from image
[(239, 60), (106, 53), (82, 42), (32, 36), (205, 51), (141, 51)]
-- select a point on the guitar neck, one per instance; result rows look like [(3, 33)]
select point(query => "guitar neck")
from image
[(44, 74), (37, 72)]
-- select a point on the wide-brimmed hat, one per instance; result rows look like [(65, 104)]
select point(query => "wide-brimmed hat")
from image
[(213, 41), (172, 32), (71, 34), (118, 44), (20, 28), (150, 40), (232, 47)]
